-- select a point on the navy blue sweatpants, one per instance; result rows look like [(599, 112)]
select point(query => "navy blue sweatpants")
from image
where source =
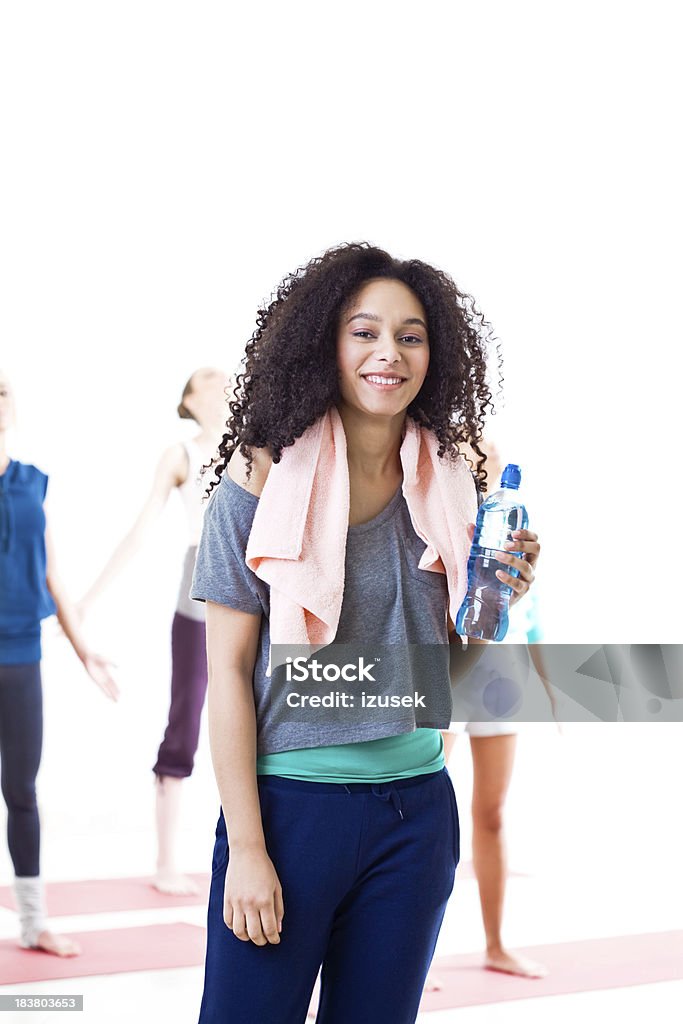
[(366, 872)]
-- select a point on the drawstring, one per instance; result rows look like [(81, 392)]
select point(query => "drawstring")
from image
[(392, 795)]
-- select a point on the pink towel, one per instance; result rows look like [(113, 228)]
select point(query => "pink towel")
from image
[(297, 542)]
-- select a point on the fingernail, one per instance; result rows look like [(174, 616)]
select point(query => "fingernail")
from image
[(509, 544)]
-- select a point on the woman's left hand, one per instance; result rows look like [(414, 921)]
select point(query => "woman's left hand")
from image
[(525, 542)]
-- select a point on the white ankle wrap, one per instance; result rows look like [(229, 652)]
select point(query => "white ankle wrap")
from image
[(31, 906)]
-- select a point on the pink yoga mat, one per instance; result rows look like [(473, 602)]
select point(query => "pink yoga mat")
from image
[(615, 962), (147, 948), (102, 895)]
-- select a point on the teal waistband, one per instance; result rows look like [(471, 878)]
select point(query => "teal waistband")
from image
[(384, 760)]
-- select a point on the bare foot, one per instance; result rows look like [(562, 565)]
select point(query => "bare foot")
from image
[(510, 964), (174, 884), (432, 983), (60, 945)]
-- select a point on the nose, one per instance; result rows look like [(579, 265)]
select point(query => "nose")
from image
[(387, 348)]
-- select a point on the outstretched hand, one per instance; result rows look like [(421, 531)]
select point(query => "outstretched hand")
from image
[(97, 667)]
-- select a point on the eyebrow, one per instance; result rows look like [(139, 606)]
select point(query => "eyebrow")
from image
[(373, 316)]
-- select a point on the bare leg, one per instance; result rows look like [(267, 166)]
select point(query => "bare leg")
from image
[(493, 758), (168, 879)]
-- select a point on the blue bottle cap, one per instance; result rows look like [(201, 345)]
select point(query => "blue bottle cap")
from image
[(512, 476)]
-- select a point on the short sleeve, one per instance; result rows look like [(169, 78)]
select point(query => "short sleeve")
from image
[(221, 573)]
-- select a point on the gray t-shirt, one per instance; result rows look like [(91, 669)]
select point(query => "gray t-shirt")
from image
[(387, 600)]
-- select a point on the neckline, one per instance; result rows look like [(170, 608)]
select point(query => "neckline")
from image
[(378, 520), (381, 517), (5, 475)]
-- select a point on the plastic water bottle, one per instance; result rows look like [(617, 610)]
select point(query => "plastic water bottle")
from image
[(483, 614)]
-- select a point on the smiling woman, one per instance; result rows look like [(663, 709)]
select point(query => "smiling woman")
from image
[(338, 837), (387, 357), (321, 314), (381, 369), (383, 378)]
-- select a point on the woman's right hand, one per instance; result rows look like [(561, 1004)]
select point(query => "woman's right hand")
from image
[(252, 901)]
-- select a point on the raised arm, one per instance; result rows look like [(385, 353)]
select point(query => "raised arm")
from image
[(170, 472)]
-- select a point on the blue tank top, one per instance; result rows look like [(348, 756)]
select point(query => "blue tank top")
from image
[(24, 596)]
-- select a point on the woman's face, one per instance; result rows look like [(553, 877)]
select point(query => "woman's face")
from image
[(382, 348), (207, 399), (6, 403)]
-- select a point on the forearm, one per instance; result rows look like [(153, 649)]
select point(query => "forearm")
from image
[(232, 736)]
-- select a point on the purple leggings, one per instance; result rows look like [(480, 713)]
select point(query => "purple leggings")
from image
[(188, 689)]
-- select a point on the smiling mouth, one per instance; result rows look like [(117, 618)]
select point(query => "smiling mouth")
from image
[(383, 382)]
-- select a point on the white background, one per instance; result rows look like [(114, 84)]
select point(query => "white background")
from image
[(166, 164)]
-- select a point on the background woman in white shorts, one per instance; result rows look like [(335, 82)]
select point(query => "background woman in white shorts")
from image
[(493, 753)]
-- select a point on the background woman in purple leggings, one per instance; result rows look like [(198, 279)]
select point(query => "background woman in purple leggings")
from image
[(204, 401)]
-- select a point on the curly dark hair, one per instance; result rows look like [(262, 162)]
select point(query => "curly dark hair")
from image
[(290, 370)]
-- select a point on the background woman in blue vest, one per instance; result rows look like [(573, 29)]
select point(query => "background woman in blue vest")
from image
[(30, 590)]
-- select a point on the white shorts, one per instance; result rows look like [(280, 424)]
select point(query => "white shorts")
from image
[(484, 728)]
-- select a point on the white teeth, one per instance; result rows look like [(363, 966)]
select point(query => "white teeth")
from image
[(384, 380)]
